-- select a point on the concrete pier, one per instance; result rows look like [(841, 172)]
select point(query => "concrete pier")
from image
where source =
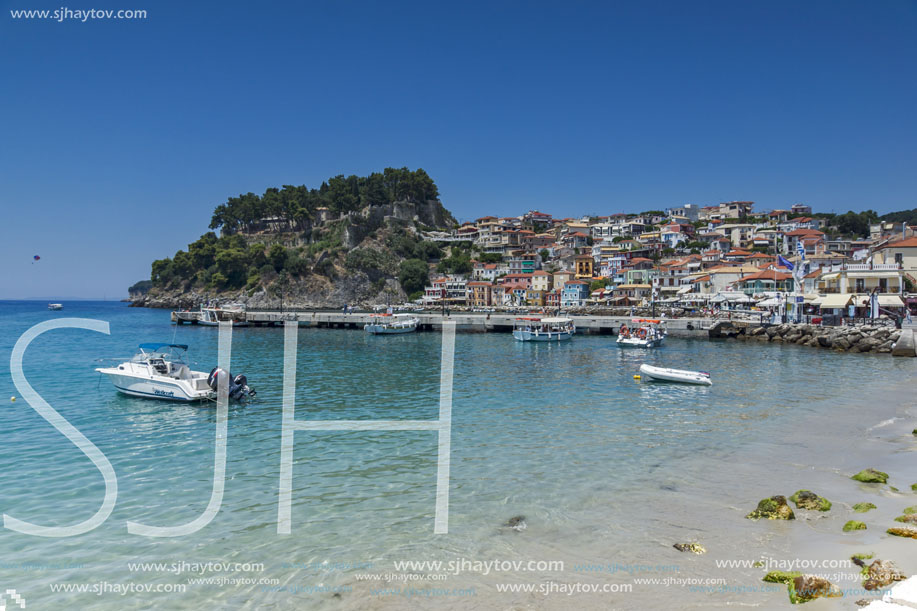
[(472, 322)]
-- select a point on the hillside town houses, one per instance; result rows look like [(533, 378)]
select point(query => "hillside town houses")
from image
[(689, 254)]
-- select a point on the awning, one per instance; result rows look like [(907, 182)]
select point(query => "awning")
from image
[(835, 300), (890, 301), (771, 302), (685, 289)]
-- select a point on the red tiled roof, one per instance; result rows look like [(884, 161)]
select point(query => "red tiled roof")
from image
[(905, 243)]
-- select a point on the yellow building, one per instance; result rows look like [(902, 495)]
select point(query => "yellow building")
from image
[(584, 266)]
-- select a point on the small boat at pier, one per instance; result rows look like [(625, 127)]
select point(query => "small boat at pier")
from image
[(648, 334), (231, 312), (682, 376), (158, 371), (387, 324), (534, 329)]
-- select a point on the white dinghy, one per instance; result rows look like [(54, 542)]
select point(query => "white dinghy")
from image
[(663, 374)]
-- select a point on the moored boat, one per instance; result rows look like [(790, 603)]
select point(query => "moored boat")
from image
[(535, 329), (648, 333), (387, 324), (158, 371), (683, 376), (212, 316)]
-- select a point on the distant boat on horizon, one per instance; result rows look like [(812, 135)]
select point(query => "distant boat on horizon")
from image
[(55, 306)]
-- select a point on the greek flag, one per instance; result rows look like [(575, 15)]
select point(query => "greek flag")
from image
[(800, 250)]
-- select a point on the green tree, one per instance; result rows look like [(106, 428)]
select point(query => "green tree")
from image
[(413, 274), (277, 257)]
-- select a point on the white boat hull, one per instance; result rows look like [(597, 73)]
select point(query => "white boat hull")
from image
[(542, 336), (682, 376), (157, 387), (381, 330), (634, 342)]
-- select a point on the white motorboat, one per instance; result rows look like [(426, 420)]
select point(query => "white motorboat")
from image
[(158, 371), (534, 329), (648, 333), (55, 306), (663, 374), (386, 324)]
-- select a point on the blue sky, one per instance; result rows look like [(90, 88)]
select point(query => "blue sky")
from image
[(119, 137)]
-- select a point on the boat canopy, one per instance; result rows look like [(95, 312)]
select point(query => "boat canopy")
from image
[(153, 347), (552, 321)]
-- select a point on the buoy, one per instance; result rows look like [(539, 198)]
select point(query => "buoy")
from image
[(636, 377), (12, 399)]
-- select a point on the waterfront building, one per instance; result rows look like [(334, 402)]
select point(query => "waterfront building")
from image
[(574, 294)]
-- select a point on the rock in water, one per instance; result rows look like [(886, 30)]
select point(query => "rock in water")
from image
[(786, 577), (694, 548), (809, 587), (871, 476), (774, 508), (854, 525), (910, 518), (881, 573), (863, 507), (903, 532), (806, 499), (516, 523)]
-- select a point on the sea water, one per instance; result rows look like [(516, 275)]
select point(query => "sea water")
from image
[(607, 472)]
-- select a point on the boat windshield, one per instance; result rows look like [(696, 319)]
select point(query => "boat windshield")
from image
[(174, 353)]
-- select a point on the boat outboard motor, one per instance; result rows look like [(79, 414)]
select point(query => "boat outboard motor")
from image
[(238, 385)]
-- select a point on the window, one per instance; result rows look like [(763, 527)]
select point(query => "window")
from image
[(899, 258), (860, 285)]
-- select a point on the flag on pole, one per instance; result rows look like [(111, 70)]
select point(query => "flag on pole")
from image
[(800, 250), (784, 262)]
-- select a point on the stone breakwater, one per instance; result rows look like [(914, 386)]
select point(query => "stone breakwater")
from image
[(864, 338)]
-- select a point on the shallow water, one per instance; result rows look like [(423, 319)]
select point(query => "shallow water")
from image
[(608, 472)]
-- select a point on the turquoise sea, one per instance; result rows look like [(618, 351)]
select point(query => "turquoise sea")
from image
[(607, 472)]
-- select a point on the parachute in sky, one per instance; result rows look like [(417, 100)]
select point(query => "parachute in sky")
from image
[(36, 258)]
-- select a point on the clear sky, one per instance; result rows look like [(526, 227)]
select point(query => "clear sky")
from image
[(120, 136)]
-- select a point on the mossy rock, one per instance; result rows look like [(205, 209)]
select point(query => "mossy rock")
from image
[(909, 510), (854, 525), (781, 576), (871, 476), (863, 507), (773, 508), (694, 548), (863, 556), (903, 532), (806, 499), (758, 564), (914, 487), (910, 518), (809, 587)]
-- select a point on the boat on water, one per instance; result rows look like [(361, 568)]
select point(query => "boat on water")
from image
[(212, 316), (386, 324), (158, 371), (535, 329), (646, 333), (55, 306), (683, 376)]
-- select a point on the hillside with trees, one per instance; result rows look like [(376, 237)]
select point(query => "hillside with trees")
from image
[(352, 240)]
